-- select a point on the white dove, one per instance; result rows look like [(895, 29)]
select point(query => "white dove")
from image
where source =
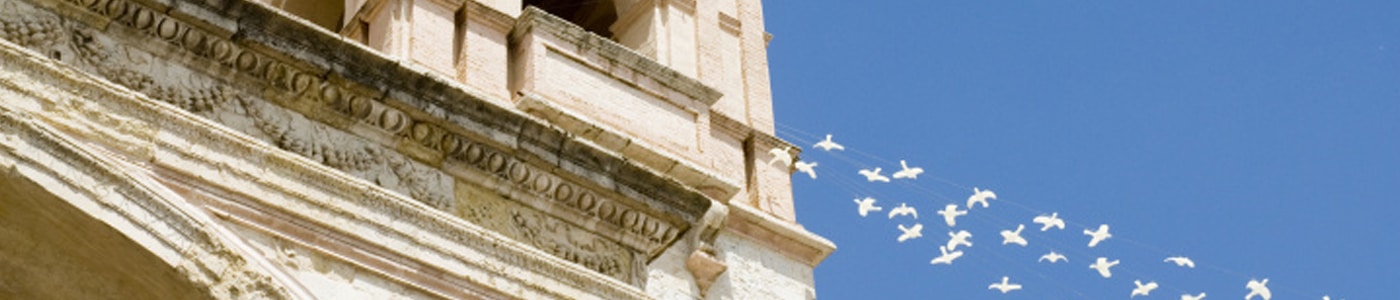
[(873, 175), (829, 145), (1053, 220), (980, 196), (947, 257), (1098, 236), (1200, 296), (1143, 289), (959, 238), (1014, 237), (1181, 261), (1102, 264), (1004, 286), (911, 233), (907, 172), (1053, 257), (781, 155), (867, 205), (951, 213), (1258, 288), (903, 210), (806, 167)]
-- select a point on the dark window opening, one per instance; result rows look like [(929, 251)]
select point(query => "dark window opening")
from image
[(596, 16), (325, 13)]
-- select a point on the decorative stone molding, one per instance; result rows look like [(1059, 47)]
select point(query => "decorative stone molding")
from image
[(315, 103), (338, 207), (705, 268), (701, 263), (105, 188), (482, 206), (713, 185)]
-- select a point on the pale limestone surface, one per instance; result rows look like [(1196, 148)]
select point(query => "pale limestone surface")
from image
[(434, 149)]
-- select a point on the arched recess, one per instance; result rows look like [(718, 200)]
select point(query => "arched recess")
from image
[(75, 224), (50, 249)]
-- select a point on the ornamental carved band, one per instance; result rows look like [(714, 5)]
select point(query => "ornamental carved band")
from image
[(342, 111)]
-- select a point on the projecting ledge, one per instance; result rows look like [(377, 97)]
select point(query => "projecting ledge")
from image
[(782, 236)]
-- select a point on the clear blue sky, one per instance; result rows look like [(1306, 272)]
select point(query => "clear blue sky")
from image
[(1260, 138)]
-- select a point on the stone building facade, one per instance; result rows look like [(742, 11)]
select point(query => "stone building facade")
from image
[(393, 149)]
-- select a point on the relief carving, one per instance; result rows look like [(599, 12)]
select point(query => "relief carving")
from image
[(27, 31), (542, 183), (133, 68), (550, 234), (287, 127)]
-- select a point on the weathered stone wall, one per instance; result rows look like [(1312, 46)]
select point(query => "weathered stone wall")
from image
[(429, 148)]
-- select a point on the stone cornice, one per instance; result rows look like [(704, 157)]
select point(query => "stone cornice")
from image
[(738, 129), (781, 236), (161, 136), (470, 122), (423, 115), (534, 19), (496, 19)]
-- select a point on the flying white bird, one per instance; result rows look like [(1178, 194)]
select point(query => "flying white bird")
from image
[(1181, 261), (806, 167), (867, 205), (1102, 264), (1053, 257), (959, 238), (907, 172), (911, 233), (1200, 296), (980, 196), (904, 210), (1053, 220), (1004, 286), (1143, 289), (947, 257), (781, 155), (951, 213), (1258, 288), (873, 175), (1014, 237), (1098, 236), (828, 145)]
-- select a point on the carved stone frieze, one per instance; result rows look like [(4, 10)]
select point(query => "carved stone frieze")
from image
[(544, 184), (337, 122), (46, 93), (198, 93), (559, 238), (31, 150)]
